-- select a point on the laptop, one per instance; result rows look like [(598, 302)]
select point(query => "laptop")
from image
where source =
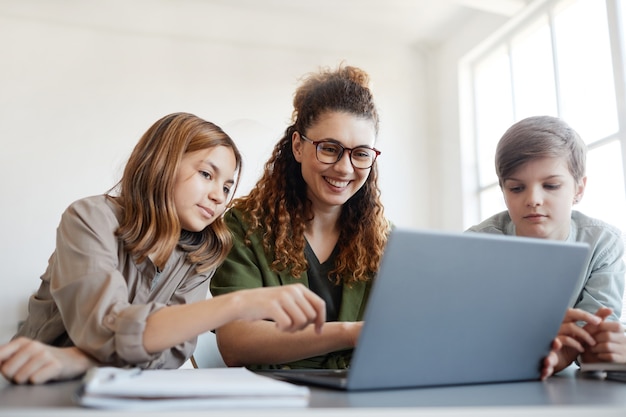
[(458, 308)]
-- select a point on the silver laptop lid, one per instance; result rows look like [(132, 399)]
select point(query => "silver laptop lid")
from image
[(459, 308)]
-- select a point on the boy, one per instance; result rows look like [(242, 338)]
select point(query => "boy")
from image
[(540, 163)]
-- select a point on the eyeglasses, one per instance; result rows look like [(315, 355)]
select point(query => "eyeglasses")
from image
[(330, 152)]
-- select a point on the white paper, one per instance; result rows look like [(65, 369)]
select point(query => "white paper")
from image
[(107, 387)]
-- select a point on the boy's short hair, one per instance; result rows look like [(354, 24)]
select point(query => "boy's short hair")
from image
[(540, 137)]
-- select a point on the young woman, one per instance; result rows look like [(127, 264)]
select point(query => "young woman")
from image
[(540, 162), (315, 218), (127, 282)]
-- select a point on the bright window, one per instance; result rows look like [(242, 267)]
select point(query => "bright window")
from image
[(562, 58)]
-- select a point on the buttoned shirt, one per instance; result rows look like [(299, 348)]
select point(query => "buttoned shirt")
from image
[(94, 295)]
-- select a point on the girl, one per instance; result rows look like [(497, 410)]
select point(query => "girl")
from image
[(315, 217), (127, 282), (540, 163)]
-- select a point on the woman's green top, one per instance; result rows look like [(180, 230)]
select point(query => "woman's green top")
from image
[(248, 266)]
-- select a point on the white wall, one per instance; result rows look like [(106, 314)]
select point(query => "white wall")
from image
[(453, 205), (75, 97)]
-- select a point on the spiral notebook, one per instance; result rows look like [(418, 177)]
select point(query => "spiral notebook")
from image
[(177, 389)]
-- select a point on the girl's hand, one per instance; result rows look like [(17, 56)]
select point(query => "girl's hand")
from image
[(291, 307), (26, 361)]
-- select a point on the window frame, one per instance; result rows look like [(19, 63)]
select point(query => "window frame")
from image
[(473, 190)]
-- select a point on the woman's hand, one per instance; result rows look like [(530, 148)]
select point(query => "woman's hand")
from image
[(26, 361), (353, 329)]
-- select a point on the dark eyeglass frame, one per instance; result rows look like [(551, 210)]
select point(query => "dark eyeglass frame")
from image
[(317, 144)]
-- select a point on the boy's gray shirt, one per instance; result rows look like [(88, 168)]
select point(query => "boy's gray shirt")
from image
[(603, 283)]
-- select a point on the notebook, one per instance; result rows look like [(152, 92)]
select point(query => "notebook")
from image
[(458, 308), (178, 389)]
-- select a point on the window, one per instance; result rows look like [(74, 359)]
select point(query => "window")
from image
[(563, 58)]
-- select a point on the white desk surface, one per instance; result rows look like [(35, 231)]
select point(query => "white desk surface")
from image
[(567, 394)]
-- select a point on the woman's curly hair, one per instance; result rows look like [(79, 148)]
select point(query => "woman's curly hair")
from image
[(279, 206)]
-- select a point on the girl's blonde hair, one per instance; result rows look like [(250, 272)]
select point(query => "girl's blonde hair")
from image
[(150, 224)]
